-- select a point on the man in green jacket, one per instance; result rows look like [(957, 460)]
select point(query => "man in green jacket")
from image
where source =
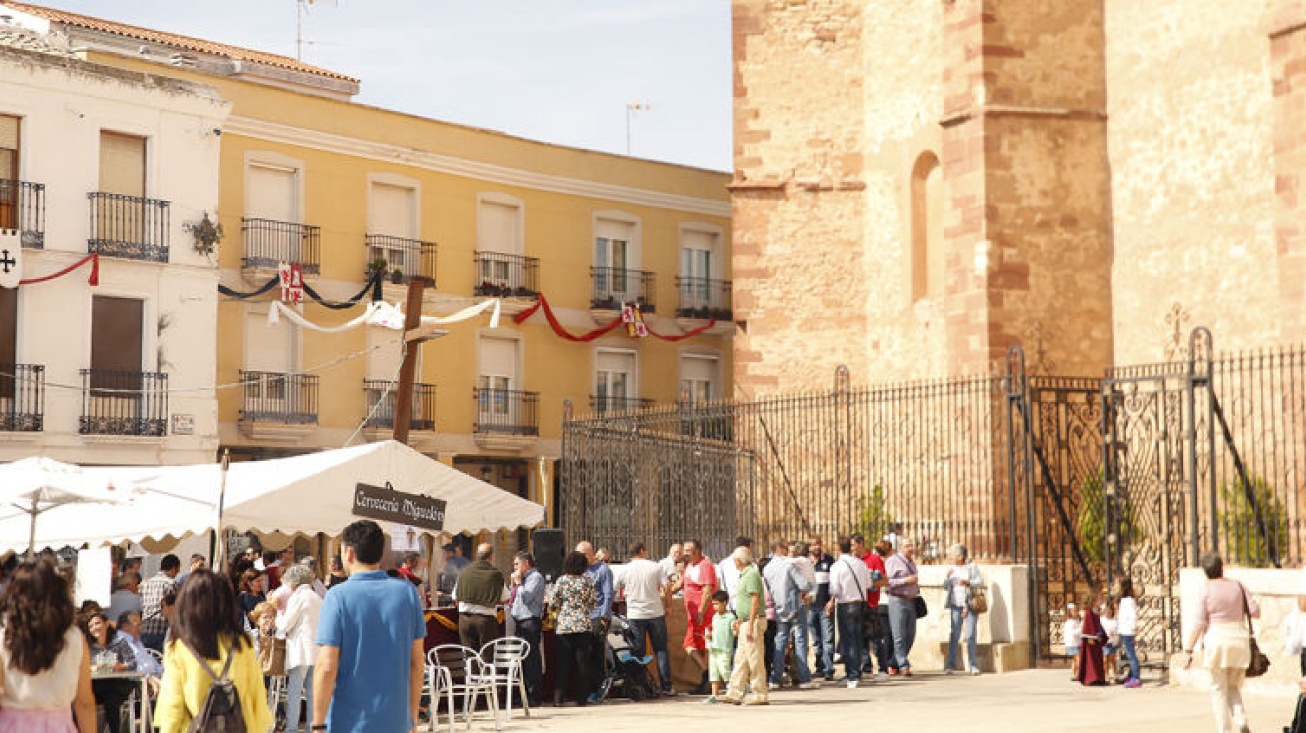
[(481, 587)]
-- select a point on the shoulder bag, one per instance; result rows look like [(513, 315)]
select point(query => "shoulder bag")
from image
[(975, 596), (1259, 663)]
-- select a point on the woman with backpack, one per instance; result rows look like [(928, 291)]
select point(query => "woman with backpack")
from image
[(210, 671)]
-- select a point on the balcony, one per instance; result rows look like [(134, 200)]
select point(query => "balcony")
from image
[(614, 287), (129, 227), (119, 403), (22, 398), (514, 278), (269, 243), (277, 405), (381, 415), (506, 419), (401, 259), (605, 405), (22, 207), (703, 299)]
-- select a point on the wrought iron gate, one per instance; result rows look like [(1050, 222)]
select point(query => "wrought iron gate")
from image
[(1084, 479), (1055, 477)]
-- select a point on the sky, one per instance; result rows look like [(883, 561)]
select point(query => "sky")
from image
[(560, 71)]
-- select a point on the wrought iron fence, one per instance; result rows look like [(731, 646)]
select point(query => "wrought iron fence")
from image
[(22, 398), (124, 403), (702, 298), (401, 259), (1084, 479), (274, 397), (130, 227), (382, 415), (921, 455), (1257, 480), (22, 207), (500, 275), (269, 243), (614, 287), (506, 411)]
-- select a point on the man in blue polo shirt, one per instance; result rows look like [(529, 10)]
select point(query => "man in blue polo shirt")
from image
[(370, 662)]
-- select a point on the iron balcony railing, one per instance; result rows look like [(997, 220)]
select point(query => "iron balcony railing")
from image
[(501, 275), (383, 415), (129, 227), (603, 404), (703, 298), (269, 243), (22, 398), (22, 207), (124, 403), (507, 411), (614, 287), (277, 397), (402, 259)]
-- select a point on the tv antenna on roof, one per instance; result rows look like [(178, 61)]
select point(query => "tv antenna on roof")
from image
[(301, 11)]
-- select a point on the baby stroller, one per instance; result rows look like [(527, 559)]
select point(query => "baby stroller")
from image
[(625, 672)]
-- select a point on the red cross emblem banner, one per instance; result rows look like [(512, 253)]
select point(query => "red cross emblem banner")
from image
[(11, 258)]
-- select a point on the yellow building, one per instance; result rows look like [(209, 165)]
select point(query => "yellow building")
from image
[(308, 176)]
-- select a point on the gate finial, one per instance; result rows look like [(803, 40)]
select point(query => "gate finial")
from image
[(1201, 350), (1015, 369)]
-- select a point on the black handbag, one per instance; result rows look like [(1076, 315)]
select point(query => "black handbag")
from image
[(922, 610), (1259, 663)]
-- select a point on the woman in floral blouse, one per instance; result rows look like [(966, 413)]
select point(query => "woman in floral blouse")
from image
[(574, 598)]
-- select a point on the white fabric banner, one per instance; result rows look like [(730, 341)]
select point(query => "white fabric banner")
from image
[(382, 314)]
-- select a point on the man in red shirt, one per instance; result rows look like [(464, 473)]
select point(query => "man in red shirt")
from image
[(699, 583), (879, 648)]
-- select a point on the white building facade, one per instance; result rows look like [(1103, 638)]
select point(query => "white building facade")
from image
[(123, 165)]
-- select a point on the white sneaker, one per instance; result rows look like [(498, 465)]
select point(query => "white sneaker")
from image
[(974, 671), (852, 684), (881, 677), (772, 686), (813, 685)]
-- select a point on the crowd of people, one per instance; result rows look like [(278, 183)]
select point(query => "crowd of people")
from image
[(755, 623), (753, 619)]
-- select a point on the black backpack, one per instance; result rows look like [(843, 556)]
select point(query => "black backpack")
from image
[(220, 712)]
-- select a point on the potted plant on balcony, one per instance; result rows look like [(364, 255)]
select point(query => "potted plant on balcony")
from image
[(377, 266), (206, 232), (397, 276)]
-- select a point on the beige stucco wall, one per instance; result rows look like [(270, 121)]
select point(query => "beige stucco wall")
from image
[(1192, 173)]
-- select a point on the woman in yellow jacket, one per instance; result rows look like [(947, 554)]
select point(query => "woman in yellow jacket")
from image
[(207, 623)]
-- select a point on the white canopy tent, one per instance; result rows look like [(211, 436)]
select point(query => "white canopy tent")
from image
[(300, 495)]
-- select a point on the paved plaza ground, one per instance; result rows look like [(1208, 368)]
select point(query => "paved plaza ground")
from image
[(1040, 701)]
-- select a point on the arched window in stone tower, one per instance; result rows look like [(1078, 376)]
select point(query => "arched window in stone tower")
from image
[(927, 247)]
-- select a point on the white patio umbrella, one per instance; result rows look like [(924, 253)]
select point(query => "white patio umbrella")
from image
[(34, 486)]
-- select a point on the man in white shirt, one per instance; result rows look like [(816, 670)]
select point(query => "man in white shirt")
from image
[(726, 572), (644, 581), (849, 580), (671, 567)]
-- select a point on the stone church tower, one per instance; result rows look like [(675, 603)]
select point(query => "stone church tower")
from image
[(920, 184)]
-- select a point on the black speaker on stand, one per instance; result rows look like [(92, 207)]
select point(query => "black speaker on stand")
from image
[(549, 549)]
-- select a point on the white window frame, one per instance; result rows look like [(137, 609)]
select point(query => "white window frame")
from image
[(714, 382), (270, 159), (632, 377)]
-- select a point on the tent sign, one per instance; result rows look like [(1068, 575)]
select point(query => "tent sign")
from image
[(386, 504)]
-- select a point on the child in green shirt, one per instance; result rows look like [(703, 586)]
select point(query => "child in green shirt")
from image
[(720, 644)]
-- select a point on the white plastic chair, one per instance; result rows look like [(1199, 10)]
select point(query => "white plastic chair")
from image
[(276, 695), (503, 659), (455, 670)]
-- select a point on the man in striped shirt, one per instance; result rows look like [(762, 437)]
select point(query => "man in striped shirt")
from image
[(154, 627)]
